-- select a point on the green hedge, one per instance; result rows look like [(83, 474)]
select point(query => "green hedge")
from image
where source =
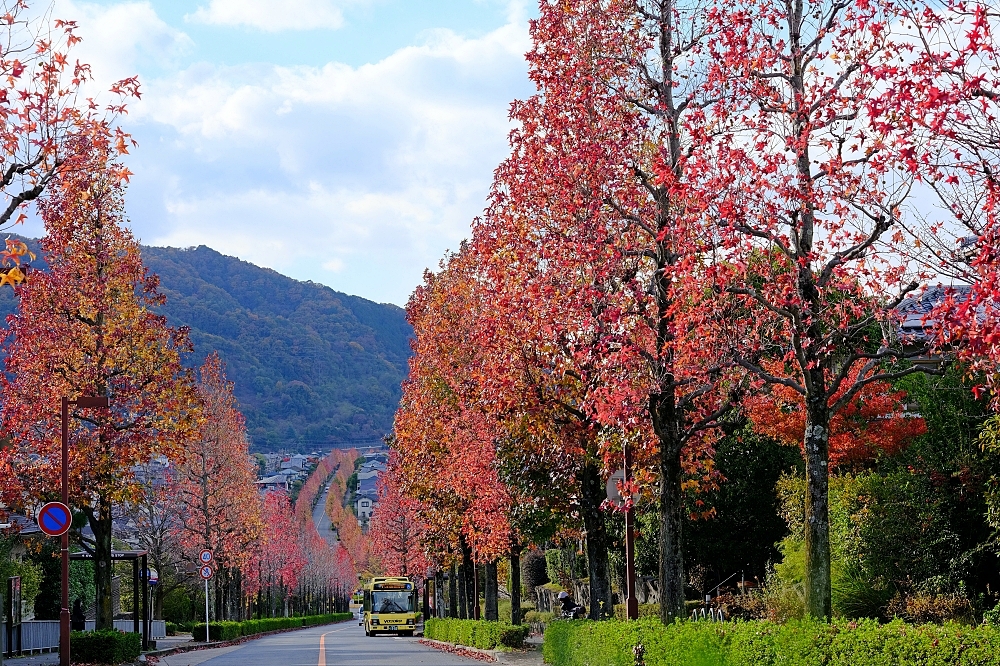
[(227, 630), (645, 610), (795, 643), (104, 647), (476, 633)]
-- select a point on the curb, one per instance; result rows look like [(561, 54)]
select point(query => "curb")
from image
[(501, 656), (448, 647), (180, 649)]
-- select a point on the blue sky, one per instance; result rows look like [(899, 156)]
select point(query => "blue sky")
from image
[(348, 142)]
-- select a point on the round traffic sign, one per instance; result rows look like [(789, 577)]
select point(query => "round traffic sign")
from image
[(206, 572), (205, 556), (54, 518), (152, 576)]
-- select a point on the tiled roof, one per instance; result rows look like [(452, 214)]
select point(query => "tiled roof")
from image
[(914, 310)]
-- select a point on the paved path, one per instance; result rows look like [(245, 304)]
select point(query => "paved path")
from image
[(343, 645)]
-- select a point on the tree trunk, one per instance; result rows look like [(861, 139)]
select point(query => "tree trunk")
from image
[(671, 579), (439, 593), (453, 602), (593, 493), (101, 523), (515, 585), (492, 610), (471, 599), (817, 518), (463, 598)]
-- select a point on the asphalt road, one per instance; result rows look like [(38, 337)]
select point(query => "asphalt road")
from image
[(322, 521), (342, 645)]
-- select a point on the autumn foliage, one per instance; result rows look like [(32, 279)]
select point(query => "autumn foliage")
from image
[(352, 540), (397, 532), (709, 211), (88, 327), (48, 128), (874, 423)]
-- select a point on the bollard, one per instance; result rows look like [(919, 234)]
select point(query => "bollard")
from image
[(639, 652)]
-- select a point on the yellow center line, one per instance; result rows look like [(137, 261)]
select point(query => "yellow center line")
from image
[(322, 646)]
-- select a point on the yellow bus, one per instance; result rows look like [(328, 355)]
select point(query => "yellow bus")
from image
[(389, 606)]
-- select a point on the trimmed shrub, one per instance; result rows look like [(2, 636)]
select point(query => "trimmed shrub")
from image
[(313, 620), (538, 616), (533, 572), (763, 643), (479, 634), (104, 647), (645, 610), (227, 631)]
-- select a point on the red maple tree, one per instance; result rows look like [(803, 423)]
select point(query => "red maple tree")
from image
[(595, 262), (220, 509), (87, 326), (279, 558), (397, 531), (48, 128), (800, 154)]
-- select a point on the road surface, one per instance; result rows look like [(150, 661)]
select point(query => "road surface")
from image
[(322, 521), (342, 645)]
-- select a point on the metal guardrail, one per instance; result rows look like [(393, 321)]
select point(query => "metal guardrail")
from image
[(43, 635)]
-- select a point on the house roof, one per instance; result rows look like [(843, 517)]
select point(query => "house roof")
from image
[(915, 310)]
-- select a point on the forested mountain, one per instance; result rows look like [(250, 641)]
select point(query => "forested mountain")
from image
[(313, 367)]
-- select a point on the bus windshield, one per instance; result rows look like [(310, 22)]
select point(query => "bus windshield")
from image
[(392, 602)]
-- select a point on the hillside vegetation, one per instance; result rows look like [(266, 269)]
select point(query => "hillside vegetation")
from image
[(313, 367)]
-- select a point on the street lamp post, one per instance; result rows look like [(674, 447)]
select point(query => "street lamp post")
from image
[(631, 602), (84, 403)]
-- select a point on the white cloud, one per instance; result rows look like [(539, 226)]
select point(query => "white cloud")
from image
[(121, 39), (270, 16), (357, 177)]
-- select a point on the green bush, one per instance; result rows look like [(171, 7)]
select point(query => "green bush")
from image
[(476, 633), (992, 617), (313, 620), (182, 605), (645, 610), (763, 643), (227, 631), (171, 628), (104, 647), (538, 616)]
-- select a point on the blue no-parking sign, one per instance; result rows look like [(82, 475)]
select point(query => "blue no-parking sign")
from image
[(55, 518)]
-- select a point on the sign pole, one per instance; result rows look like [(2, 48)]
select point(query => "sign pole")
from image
[(64, 543), (208, 633)]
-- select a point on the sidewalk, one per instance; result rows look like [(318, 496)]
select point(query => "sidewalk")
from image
[(46, 659), (195, 657)]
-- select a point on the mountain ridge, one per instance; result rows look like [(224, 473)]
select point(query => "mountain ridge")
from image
[(312, 367)]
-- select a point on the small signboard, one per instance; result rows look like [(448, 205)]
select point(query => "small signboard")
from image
[(206, 572), (13, 610), (152, 576), (55, 518), (205, 556), (614, 494)]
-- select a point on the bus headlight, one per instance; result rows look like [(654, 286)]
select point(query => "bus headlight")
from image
[(374, 620)]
